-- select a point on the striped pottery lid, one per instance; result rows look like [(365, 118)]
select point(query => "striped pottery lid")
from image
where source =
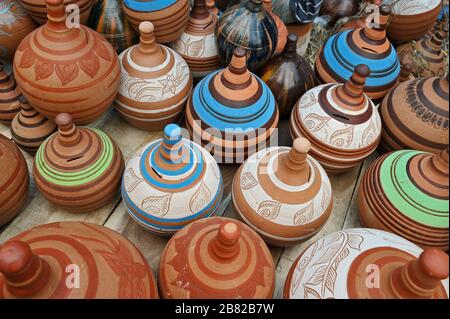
[(170, 183), (148, 5), (9, 96)]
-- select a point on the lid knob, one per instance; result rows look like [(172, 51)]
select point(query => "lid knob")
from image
[(237, 74), (405, 72), (56, 14), (147, 43), (68, 135), (200, 10), (294, 168), (26, 108), (225, 244), (172, 146), (440, 161), (377, 30), (290, 50), (353, 90), (267, 4)]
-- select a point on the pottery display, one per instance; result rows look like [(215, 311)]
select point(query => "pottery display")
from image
[(305, 11), (216, 258), (15, 24), (363, 263), (155, 83), (78, 168), (283, 194), (9, 96), (250, 26), (38, 11), (282, 9), (74, 260), (341, 122), (406, 193), (169, 17), (14, 180), (288, 76), (197, 45), (335, 10), (303, 32), (343, 51), (415, 116), (170, 183), (232, 112), (29, 129), (281, 27), (73, 70), (108, 19)]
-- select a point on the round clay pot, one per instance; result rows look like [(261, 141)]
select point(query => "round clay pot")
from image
[(338, 9), (78, 168), (406, 193), (74, 260), (363, 263), (281, 27), (216, 258), (9, 96), (14, 180)]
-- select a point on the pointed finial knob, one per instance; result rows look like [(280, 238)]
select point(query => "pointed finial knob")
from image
[(68, 135), (56, 14), (354, 87), (147, 43), (226, 241)]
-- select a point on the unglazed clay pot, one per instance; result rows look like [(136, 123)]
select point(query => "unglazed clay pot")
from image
[(305, 11), (38, 11), (232, 112), (74, 260), (303, 32), (14, 180), (108, 19), (283, 194), (9, 96), (78, 168), (281, 27), (197, 45), (363, 263), (216, 258), (170, 183), (338, 9), (415, 116), (406, 193), (155, 83), (288, 76), (249, 26), (341, 122), (15, 24), (283, 10), (170, 17), (72, 70), (29, 129), (367, 45)]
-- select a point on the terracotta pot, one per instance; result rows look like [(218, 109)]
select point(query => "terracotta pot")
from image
[(14, 180), (338, 9), (365, 263), (73, 70), (303, 31), (74, 260), (15, 24), (393, 188), (341, 122), (9, 96), (282, 9), (169, 17), (232, 112), (29, 129), (305, 11), (216, 258), (281, 27), (78, 168)]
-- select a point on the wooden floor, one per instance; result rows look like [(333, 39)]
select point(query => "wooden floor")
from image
[(39, 211)]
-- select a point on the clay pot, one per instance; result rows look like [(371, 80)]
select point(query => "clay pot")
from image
[(38, 11), (341, 122), (415, 116), (78, 168), (155, 83), (14, 180), (169, 17), (170, 183), (283, 194), (362, 263), (74, 260), (232, 112), (9, 96), (343, 51), (393, 190), (249, 26), (216, 258), (197, 45), (108, 19), (305, 11), (303, 32), (29, 129), (73, 70), (288, 76), (281, 27), (283, 10), (15, 24), (338, 9)]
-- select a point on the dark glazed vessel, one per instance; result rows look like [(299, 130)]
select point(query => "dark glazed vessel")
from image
[(338, 9)]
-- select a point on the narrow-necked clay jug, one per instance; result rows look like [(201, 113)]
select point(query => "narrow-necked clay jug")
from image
[(281, 27), (216, 258), (9, 96)]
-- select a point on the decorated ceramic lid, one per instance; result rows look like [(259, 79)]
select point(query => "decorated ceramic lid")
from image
[(281, 27), (78, 168), (9, 96), (406, 192), (283, 194), (232, 111), (74, 260), (367, 45), (216, 258), (155, 83), (363, 263), (170, 183), (341, 122), (14, 180)]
